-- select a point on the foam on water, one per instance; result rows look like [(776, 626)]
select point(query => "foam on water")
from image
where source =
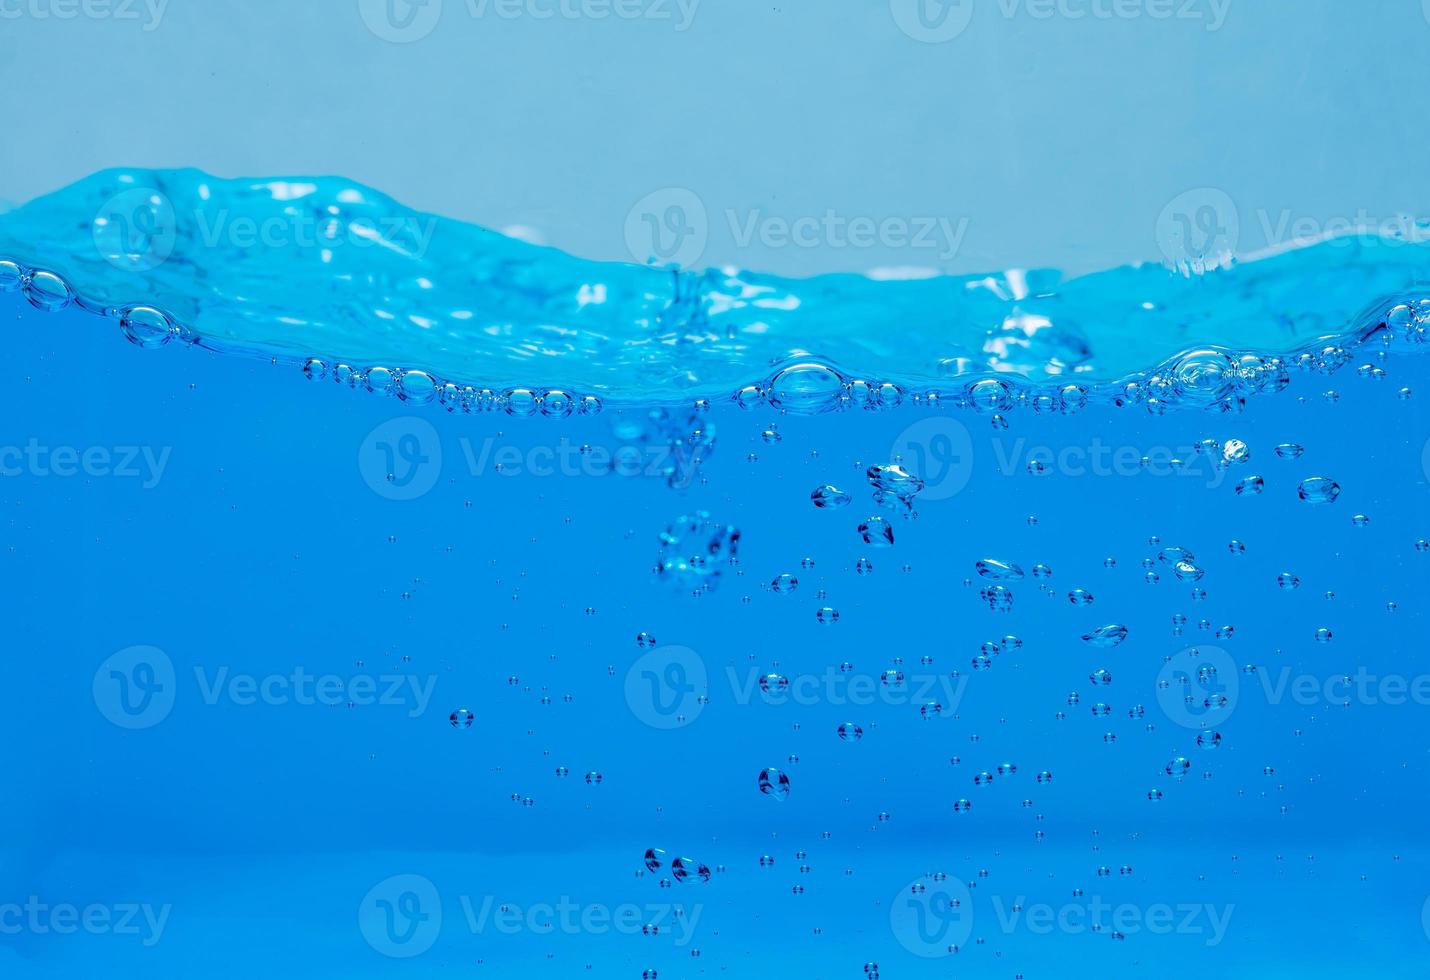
[(348, 282)]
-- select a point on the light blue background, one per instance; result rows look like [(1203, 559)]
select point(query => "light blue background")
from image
[(1059, 139)]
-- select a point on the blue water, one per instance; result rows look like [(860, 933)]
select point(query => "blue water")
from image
[(320, 667)]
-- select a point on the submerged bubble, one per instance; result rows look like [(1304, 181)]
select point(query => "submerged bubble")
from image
[(999, 570), (774, 783), (829, 497), (47, 291), (1319, 490), (850, 732), (877, 532), (806, 389), (1105, 637), (145, 326)]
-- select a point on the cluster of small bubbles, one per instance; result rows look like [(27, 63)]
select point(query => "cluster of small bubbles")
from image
[(692, 550), (998, 597)]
